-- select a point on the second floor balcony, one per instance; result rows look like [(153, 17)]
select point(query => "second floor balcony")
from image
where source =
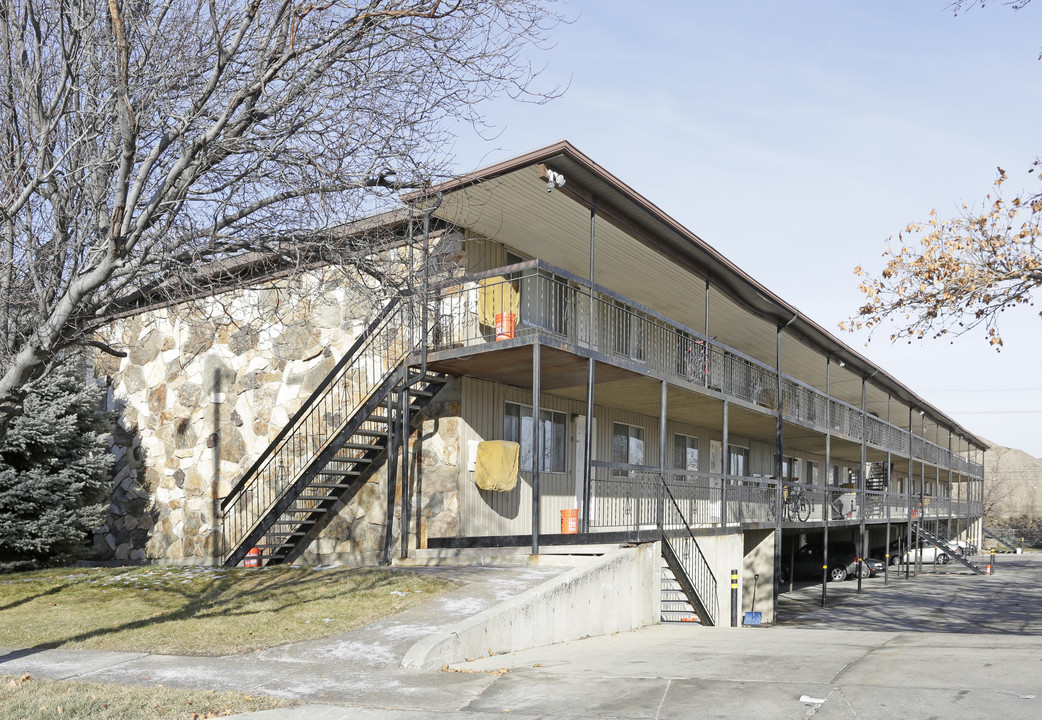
[(483, 324)]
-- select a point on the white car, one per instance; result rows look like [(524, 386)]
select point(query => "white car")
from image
[(930, 554)]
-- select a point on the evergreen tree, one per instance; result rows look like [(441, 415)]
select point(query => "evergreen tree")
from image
[(54, 473)]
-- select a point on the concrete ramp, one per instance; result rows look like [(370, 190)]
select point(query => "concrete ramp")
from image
[(615, 592)]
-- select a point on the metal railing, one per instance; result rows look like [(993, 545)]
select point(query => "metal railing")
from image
[(637, 498), (627, 497), (533, 298), (364, 368), (680, 541)]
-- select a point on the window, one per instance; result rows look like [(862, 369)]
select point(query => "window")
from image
[(834, 475), (739, 460), (685, 452), (627, 444), (790, 468), (812, 472), (518, 427), (854, 477)]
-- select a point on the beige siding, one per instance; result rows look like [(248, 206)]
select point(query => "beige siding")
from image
[(484, 513)]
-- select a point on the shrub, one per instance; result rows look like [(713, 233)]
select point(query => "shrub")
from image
[(54, 472)]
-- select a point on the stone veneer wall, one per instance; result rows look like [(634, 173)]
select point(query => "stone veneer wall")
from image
[(202, 392)]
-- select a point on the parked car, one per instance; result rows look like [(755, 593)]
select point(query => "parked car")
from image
[(870, 567), (842, 562), (930, 553), (896, 550)]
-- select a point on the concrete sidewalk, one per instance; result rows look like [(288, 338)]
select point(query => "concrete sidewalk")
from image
[(945, 646), (356, 668)]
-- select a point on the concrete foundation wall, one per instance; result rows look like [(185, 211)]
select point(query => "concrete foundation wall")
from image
[(616, 592), (723, 553), (757, 593)]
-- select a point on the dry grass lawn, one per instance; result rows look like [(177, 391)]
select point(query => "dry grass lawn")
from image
[(199, 610), (27, 698)]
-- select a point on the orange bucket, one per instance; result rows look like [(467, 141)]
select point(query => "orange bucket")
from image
[(252, 559), (569, 522), (505, 326)]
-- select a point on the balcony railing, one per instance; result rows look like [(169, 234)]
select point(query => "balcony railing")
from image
[(529, 299), (626, 497)]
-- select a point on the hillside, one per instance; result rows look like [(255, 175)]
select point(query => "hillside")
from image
[(1013, 489)]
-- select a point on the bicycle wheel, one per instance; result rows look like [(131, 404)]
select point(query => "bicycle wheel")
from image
[(802, 509)]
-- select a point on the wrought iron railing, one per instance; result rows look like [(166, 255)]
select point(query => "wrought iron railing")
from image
[(366, 366), (638, 498), (626, 497), (677, 534), (532, 298)]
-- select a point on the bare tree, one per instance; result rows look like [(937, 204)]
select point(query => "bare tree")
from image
[(949, 276), (143, 139)]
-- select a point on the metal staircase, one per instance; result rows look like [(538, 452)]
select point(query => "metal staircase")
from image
[(942, 545), (330, 446), (999, 539), (675, 605), (689, 568)]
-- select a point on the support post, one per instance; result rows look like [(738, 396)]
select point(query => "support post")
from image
[(886, 550), (588, 439), (403, 424), (537, 451), (725, 454), (392, 477), (662, 453), (587, 469), (908, 555), (779, 451), (827, 505), (734, 598), (863, 480)]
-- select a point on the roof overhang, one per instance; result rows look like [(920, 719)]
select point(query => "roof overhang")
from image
[(464, 201)]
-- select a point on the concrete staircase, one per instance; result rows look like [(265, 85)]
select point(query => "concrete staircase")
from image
[(675, 605)]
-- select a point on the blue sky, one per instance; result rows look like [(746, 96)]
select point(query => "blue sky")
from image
[(797, 137)]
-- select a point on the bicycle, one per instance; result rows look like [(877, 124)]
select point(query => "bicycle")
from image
[(795, 505)]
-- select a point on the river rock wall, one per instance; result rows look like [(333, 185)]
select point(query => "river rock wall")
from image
[(204, 388)]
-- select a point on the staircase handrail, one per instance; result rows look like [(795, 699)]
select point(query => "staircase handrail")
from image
[(942, 545), (999, 539), (708, 604), (309, 403), (298, 444)]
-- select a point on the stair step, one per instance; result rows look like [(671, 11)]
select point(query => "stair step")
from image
[(329, 486), (315, 497), (296, 523), (360, 446), (339, 473)]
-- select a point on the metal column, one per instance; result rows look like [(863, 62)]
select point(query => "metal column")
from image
[(537, 452), (588, 439)]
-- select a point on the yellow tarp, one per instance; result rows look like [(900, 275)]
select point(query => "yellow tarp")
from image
[(496, 465), (496, 295)]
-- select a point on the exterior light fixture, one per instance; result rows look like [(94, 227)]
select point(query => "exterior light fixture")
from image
[(552, 178)]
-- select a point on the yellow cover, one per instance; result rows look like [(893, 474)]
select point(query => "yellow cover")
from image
[(496, 295), (496, 465)]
